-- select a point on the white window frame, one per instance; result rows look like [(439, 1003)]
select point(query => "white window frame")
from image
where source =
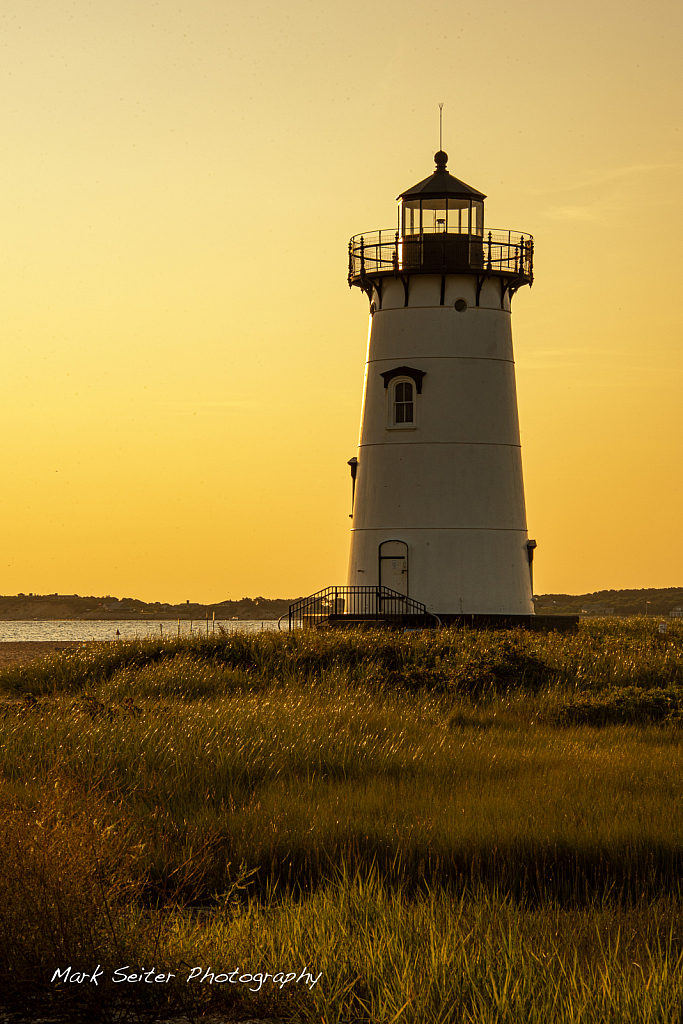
[(391, 404)]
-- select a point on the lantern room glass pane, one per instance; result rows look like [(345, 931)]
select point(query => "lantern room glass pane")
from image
[(434, 215), (477, 218), (411, 218), (458, 216)]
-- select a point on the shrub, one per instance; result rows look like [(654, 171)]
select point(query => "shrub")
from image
[(621, 705)]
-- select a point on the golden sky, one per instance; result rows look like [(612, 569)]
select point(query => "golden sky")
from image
[(182, 360)]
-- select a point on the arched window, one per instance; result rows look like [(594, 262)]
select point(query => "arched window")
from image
[(404, 407), (403, 384)]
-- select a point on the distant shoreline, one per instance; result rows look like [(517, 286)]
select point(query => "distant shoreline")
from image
[(126, 617), (663, 602), (73, 608)]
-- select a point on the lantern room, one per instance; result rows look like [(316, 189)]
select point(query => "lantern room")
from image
[(441, 231), (441, 204)]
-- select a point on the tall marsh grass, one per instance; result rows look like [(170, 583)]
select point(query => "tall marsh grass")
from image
[(451, 825), (604, 653)]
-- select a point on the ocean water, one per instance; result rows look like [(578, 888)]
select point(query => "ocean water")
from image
[(75, 629)]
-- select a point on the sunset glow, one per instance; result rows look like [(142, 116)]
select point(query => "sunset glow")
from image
[(182, 358)]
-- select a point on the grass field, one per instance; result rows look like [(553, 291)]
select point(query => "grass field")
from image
[(439, 826)]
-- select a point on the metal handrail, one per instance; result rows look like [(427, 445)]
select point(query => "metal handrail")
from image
[(389, 252), (354, 603)]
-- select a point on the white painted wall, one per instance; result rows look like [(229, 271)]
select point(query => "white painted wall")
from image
[(450, 485)]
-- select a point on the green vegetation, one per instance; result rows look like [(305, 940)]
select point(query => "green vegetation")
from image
[(612, 602), (71, 606), (450, 826)]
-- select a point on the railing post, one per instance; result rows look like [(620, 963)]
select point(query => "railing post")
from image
[(396, 253), (350, 261), (488, 265), (362, 256)]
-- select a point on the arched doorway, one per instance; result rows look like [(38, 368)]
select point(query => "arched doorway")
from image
[(393, 565)]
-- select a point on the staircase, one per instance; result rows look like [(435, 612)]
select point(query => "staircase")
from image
[(346, 606)]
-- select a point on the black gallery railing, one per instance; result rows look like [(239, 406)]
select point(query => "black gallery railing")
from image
[(362, 603), (389, 252)]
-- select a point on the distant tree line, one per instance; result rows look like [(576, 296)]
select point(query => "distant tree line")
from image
[(68, 606), (616, 602), (74, 606)]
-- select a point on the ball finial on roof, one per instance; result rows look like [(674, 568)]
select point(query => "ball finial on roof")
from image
[(441, 159)]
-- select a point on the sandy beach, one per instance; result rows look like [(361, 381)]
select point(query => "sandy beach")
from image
[(19, 652)]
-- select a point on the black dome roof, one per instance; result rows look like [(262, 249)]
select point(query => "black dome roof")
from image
[(441, 185)]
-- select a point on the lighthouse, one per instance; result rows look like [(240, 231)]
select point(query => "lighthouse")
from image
[(438, 495)]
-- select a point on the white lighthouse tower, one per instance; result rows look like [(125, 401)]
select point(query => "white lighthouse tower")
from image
[(439, 512)]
